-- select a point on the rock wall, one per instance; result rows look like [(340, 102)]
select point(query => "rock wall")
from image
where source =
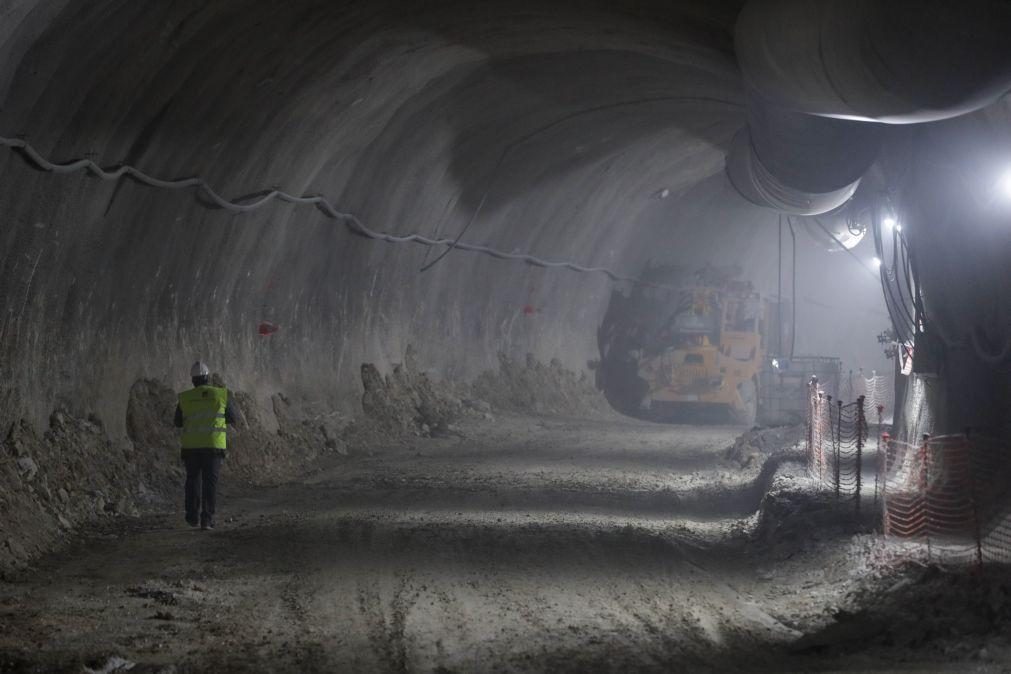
[(417, 118), (576, 130)]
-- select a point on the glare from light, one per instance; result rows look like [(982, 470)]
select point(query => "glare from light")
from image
[(890, 223), (898, 228), (775, 363), (877, 262), (1004, 185)]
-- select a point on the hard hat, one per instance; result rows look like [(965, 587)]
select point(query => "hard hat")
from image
[(200, 370)]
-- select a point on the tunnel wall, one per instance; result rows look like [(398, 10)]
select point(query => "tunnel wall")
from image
[(568, 130), (398, 114), (958, 225)]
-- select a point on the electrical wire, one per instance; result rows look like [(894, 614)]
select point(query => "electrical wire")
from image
[(793, 292), (779, 292), (265, 197), (905, 330), (841, 245), (898, 265)]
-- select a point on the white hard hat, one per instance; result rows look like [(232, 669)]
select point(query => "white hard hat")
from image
[(199, 370)]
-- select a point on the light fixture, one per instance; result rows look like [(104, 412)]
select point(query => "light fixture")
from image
[(775, 363), (877, 262), (889, 222), (898, 228)]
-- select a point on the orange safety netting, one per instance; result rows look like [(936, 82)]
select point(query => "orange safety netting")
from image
[(944, 498), (949, 494)]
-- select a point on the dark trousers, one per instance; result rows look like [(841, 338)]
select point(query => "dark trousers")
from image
[(202, 472)]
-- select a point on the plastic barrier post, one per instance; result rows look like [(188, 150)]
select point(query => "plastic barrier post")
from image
[(836, 441), (810, 419), (861, 429), (880, 462), (883, 471)]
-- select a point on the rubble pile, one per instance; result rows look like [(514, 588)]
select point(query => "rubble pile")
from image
[(70, 473), (407, 400), (74, 472), (534, 387), (759, 443)]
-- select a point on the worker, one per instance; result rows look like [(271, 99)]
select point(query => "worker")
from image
[(202, 413)]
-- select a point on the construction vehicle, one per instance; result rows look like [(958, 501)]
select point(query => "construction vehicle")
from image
[(706, 358), (703, 346)]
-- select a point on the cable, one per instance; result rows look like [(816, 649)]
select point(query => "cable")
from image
[(265, 197), (903, 330), (793, 292), (841, 245), (779, 292), (894, 275)]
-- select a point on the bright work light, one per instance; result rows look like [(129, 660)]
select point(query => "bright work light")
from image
[(1004, 185)]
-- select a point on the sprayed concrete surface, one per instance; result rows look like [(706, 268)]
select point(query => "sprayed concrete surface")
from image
[(520, 544)]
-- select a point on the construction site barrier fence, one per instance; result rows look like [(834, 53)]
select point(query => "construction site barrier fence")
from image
[(943, 499), (878, 390), (949, 495), (836, 442)]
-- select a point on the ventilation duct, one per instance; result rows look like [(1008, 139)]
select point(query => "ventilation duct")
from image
[(819, 70), (779, 159)]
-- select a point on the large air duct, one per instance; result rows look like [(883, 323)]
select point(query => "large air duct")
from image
[(798, 163), (818, 71)]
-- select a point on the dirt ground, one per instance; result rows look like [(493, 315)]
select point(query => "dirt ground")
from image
[(511, 544)]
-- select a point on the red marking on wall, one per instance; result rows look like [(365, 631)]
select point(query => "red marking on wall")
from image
[(267, 328), (529, 310)]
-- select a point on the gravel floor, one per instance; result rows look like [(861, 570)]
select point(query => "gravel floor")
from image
[(521, 544)]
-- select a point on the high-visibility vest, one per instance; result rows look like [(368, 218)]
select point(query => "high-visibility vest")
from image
[(204, 417)]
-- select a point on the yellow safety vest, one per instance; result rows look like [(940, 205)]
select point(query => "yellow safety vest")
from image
[(204, 417)]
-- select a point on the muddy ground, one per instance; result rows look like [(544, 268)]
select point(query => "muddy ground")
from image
[(509, 543)]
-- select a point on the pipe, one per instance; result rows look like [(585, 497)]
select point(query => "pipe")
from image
[(797, 163), (818, 71), (896, 62)]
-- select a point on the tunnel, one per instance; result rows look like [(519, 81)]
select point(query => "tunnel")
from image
[(510, 335)]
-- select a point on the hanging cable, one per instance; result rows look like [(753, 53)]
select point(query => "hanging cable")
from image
[(902, 319), (896, 274), (779, 292), (793, 292), (265, 197), (841, 245)]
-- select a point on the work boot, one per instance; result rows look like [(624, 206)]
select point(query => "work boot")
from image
[(206, 523)]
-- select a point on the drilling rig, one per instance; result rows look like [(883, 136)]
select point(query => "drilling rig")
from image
[(703, 347), (708, 354)]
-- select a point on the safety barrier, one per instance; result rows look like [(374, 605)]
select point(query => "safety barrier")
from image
[(836, 442), (878, 390), (943, 499), (949, 494)]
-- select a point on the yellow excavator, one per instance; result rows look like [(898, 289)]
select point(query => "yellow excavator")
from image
[(707, 357)]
